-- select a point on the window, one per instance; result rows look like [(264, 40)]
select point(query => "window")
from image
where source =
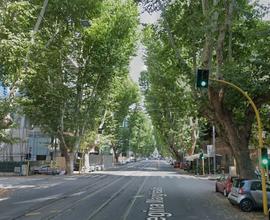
[(256, 186), (267, 187)]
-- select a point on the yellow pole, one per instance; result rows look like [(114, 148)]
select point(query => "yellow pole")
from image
[(267, 173), (265, 208)]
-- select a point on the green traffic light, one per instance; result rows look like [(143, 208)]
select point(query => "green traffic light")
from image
[(203, 83), (265, 161), (202, 77)]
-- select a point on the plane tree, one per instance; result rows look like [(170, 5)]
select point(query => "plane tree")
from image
[(230, 39), (142, 138), (169, 99), (74, 66), (123, 95)]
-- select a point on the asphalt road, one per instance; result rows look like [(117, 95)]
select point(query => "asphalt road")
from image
[(149, 190)]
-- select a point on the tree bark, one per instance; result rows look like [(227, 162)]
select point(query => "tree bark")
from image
[(69, 157), (175, 152), (194, 134), (238, 139), (116, 155)]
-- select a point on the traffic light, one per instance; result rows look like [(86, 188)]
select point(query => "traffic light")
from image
[(79, 155), (100, 130), (27, 156), (264, 156), (202, 76), (201, 156)]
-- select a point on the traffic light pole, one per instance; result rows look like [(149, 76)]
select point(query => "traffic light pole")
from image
[(203, 173), (258, 118), (214, 149)]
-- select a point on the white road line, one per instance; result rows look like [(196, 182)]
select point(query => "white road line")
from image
[(134, 199), (76, 203), (109, 200), (77, 194), (39, 199), (2, 199)]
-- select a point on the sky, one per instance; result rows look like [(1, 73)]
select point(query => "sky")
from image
[(137, 65)]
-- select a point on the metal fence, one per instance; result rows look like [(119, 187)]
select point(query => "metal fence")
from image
[(103, 160), (9, 166)]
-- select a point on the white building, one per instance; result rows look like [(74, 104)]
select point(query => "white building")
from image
[(30, 143)]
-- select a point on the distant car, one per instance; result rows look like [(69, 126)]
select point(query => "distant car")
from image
[(132, 159), (46, 170), (248, 194), (224, 184), (184, 165), (171, 162), (123, 162)]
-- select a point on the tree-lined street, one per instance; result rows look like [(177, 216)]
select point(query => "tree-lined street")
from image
[(69, 108), (140, 190)]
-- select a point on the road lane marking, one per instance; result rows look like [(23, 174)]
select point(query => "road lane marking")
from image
[(32, 213), (134, 199), (39, 199), (5, 198), (69, 208), (139, 196), (77, 194), (156, 209), (109, 200)]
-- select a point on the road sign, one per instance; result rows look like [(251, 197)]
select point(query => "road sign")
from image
[(210, 150)]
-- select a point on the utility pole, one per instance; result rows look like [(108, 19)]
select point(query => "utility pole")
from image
[(214, 148), (203, 166)]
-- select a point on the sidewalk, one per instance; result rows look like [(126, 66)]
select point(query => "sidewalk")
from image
[(206, 176), (3, 193)]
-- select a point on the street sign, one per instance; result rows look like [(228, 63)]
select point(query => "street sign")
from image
[(210, 150)]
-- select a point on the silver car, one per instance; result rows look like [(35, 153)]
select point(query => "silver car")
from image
[(248, 194)]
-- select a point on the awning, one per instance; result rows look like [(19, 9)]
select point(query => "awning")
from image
[(197, 156)]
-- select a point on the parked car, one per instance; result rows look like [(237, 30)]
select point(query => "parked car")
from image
[(248, 194), (176, 164), (224, 184), (171, 162), (46, 169), (185, 166)]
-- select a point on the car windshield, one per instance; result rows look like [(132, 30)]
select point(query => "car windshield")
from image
[(233, 178), (238, 183)]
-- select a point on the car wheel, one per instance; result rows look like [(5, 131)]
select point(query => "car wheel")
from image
[(246, 205), (225, 192), (216, 188)]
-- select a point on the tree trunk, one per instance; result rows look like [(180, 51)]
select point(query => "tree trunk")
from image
[(70, 163), (116, 155), (238, 139), (194, 134), (175, 153), (69, 157)]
